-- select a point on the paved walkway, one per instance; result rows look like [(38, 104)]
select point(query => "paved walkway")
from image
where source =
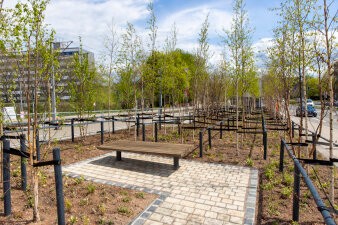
[(196, 193)]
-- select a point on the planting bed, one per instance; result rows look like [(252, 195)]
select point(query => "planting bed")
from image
[(91, 203)]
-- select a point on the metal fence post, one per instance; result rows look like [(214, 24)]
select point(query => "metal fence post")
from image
[(314, 135), (281, 156), (143, 132), (209, 137), (59, 187), (156, 132), (265, 138), (296, 193), (201, 144), (159, 120), (102, 129), (292, 129), (221, 130), (37, 143), (23, 163), (138, 125), (6, 178), (113, 124), (72, 129)]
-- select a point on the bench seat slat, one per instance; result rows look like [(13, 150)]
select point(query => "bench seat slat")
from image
[(158, 148)]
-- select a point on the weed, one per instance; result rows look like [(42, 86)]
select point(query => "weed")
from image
[(273, 208), (68, 205), (287, 179), (139, 195), (123, 210), (73, 219), (84, 202), (126, 199), (268, 186), (286, 192), (91, 188), (249, 162), (30, 201), (102, 209), (269, 173), (79, 180), (16, 172), (124, 193), (42, 177), (85, 220)]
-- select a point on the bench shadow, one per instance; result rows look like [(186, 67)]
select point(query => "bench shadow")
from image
[(141, 166)]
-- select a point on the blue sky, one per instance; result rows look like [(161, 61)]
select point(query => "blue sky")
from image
[(90, 18)]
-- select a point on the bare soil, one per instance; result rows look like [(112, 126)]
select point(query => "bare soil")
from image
[(85, 202), (113, 205)]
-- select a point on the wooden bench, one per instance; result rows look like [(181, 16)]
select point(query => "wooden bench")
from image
[(176, 151)]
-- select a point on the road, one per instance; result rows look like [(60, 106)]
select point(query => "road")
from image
[(313, 123)]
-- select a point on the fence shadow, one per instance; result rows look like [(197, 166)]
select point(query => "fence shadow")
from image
[(136, 165)]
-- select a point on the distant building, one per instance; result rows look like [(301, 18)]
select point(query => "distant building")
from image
[(13, 76)]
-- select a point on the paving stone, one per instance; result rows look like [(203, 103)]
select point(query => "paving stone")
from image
[(196, 193)]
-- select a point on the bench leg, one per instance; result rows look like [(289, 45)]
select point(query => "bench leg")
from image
[(176, 163), (118, 156)]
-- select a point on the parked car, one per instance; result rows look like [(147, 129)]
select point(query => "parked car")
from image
[(310, 102), (311, 111)]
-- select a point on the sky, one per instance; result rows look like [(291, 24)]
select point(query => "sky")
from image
[(90, 19)]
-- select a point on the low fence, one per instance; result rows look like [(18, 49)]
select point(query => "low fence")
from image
[(299, 170)]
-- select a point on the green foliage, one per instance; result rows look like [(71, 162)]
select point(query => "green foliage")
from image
[(68, 205), (287, 179), (82, 83), (102, 209), (139, 195), (79, 180), (126, 199), (91, 188), (124, 210), (249, 162), (73, 219), (286, 192)]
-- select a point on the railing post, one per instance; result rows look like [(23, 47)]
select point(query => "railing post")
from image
[(113, 124), (59, 187), (6, 178), (281, 156), (201, 143), (292, 129), (314, 136), (37, 143), (156, 132), (296, 193), (143, 132), (209, 137), (265, 138), (72, 129), (102, 131), (228, 124), (138, 125), (159, 120), (23, 163), (221, 130)]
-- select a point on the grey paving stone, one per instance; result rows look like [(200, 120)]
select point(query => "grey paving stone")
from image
[(196, 193)]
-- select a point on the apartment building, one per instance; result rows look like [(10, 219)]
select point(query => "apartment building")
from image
[(16, 78)]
